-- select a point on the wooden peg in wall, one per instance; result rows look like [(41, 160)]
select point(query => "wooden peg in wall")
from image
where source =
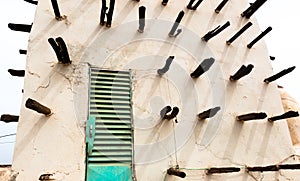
[(176, 172), (23, 52), (17, 73), (36, 106), (60, 49), (46, 176), (191, 7), (289, 114), (251, 116), (289, 166), (221, 5), (142, 16), (165, 111), (239, 33), (64, 50), (243, 71), (109, 15), (203, 67), (264, 33), (279, 75), (167, 66), (164, 2), (209, 113), (56, 9), (7, 118), (103, 12), (253, 8), (215, 31), (214, 170), (271, 168), (173, 114), (176, 24), (20, 27), (32, 2)]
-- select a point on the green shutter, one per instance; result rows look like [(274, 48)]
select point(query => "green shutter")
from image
[(90, 134), (111, 154)]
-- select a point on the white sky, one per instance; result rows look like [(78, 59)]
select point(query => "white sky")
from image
[(283, 42), (12, 11)]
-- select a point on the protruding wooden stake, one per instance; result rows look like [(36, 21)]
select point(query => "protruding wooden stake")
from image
[(142, 16), (250, 45), (290, 166), (164, 111), (215, 31), (32, 2), (103, 12), (239, 33), (56, 49), (20, 27), (251, 116), (214, 170), (110, 13), (60, 49), (7, 118), (164, 2), (46, 176), (272, 58), (243, 71), (289, 114), (173, 114), (203, 67), (176, 24), (253, 8), (280, 74), (56, 10), (191, 7), (273, 168), (176, 172), (167, 66), (34, 105), (24, 52), (221, 5), (18, 73), (209, 113), (270, 168), (64, 50)]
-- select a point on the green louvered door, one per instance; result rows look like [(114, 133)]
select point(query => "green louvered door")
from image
[(110, 157)]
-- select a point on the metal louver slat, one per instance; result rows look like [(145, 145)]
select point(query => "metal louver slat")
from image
[(111, 148), (110, 104), (113, 153), (115, 122), (96, 79), (111, 97), (99, 132), (112, 92), (108, 137)]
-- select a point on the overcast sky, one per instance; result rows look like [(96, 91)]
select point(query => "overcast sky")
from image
[(12, 11), (283, 43)]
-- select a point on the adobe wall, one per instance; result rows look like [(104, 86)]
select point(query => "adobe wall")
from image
[(56, 144)]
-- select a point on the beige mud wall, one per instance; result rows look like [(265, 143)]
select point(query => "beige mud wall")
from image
[(290, 104), (6, 173), (56, 144)]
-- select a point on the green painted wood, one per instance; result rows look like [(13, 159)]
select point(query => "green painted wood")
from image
[(110, 106), (90, 133), (109, 173)]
